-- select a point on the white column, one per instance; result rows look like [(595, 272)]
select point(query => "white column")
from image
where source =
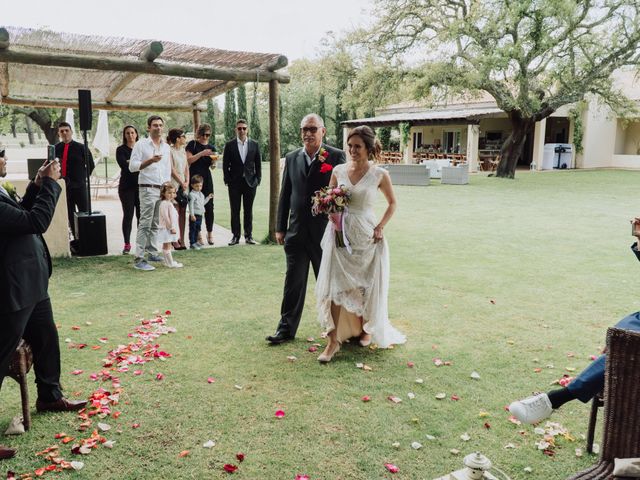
[(538, 143), (345, 134), (473, 137)]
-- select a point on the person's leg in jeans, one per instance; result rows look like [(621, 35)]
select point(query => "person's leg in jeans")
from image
[(148, 199)]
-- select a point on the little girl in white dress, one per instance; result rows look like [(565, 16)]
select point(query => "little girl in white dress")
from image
[(168, 223)]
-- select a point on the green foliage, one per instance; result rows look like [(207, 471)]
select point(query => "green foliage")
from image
[(255, 130), (405, 131), (384, 135), (575, 115), (531, 57), (211, 117), (229, 115), (242, 102), (322, 107)]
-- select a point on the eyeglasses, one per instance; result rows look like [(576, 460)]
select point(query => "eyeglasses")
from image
[(206, 134), (309, 129), (241, 128)]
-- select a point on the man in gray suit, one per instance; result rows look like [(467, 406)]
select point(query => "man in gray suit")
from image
[(25, 267), (306, 170), (242, 174)]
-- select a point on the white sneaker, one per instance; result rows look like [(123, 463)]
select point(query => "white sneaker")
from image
[(533, 409), (175, 265)]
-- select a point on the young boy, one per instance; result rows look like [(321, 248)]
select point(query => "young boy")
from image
[(197, 201)]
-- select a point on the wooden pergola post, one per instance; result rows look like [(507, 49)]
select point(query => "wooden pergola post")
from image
[(196, 122), (274, 155)]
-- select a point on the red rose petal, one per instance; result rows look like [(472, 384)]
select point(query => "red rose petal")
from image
[(240, 456), (410, 364), (183, 453), (229, 468), (159, 376), (300, 476), (366, 398), (77, 372), (279, 413), (167, 312), (391, 467)]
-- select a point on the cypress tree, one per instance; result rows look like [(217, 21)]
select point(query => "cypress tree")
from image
[(211, 119), (229, 115), (254, 125), (242, 102)]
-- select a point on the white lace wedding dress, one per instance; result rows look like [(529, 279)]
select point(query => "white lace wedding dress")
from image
[(357, 281)]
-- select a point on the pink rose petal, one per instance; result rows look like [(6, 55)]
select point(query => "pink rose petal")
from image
[(366, 398), (300, 476), (77, 372), (211, 380), (391, 467), (279, 413)]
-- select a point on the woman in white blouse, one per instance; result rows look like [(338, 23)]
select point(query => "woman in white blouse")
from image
[(179, 178)]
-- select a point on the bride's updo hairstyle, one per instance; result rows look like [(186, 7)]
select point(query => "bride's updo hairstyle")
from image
[(368, 136)]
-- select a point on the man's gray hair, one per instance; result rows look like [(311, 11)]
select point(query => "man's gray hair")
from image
[(311, 116)]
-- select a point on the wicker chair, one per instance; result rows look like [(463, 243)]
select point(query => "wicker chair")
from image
[(18, 368), (621, 436), (596, 404)]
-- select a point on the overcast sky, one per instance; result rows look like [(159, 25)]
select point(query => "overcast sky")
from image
[(290, 27)]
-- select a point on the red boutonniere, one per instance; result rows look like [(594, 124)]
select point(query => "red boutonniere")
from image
[(325, 167), (322, 155)]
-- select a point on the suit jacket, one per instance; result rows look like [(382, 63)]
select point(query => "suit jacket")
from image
[(25, 264), (294, 207), (235, 172), (76, 170)]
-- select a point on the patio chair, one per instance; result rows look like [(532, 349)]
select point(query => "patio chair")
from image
[(19, 367), (494, 163), (104, 183), (621, 435), (596, 404)]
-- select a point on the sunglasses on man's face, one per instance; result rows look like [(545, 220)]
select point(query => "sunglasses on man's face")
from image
[(309, 129), (206, 134), (241, 128)]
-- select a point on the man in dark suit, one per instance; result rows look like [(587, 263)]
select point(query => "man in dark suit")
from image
[(306, 170), (74, 172), (242, 174), (25, 267)]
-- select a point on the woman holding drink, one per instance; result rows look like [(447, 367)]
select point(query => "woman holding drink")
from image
[(201, 156)]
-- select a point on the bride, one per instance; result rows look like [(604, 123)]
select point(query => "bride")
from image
[(352, 287)]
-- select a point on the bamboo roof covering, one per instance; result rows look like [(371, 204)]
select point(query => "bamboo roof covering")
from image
[(45, 68)]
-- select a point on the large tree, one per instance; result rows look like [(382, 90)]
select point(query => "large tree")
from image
[(531, 56), (46, 118), (229, 115)]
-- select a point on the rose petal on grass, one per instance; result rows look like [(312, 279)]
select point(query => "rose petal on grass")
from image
[(366, 398), (487, 425), (475, 375), (77, 372), (419, 381), (367, 368), (211, 380), (441, 396), (240, 456), (300, 476), (410, 364), (292, 358), (75, 327), (312, 349), (455, 397), (229, 468), (77, 465), (209, 444), (411, 395), (109, 444), (183, 453), (238, 387), (465, 437), (104, 427), (509, 446), (167, 312), (391, 467), (135, 425), (395, 444), (429, 437), (528, 469), (279, 413), (137, 372), (159, 376), (514, 420), (416, 445), (393, 399), (454, 451)]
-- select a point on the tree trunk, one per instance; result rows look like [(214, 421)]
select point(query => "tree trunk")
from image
[(30, 131), (513, 146)]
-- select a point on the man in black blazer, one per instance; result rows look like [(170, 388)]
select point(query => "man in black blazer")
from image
[(74, 172), (25, 267), (242, 174), (306, 170)]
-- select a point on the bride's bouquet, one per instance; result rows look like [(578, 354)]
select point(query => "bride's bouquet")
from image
[(333, 201)]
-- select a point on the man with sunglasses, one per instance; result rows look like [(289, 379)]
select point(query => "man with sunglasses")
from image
[(306, 170), (242, 174)]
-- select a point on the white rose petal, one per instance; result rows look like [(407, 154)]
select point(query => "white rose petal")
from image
[(416, 445), (209, 444)]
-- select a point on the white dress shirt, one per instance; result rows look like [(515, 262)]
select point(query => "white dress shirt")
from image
[(308, 158), (243, 147), (156, 173)]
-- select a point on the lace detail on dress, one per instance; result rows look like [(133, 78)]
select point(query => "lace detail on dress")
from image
[(358, 282)]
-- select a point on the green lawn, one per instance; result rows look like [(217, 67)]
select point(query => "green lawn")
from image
[(491, 276)]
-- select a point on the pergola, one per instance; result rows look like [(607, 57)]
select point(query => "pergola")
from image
[(40, 68)]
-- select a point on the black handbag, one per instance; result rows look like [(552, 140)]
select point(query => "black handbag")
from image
[(181, 197)]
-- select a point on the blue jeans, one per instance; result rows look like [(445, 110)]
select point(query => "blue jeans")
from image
[(194, 229), (591, 380)]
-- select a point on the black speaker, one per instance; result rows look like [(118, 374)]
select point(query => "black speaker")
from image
[(91, 233), (84, 105)]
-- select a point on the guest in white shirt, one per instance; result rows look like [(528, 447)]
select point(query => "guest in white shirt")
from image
[(152, 158), (242, 174)]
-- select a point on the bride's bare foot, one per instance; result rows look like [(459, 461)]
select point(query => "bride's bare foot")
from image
[(332, 348), (365, 339)]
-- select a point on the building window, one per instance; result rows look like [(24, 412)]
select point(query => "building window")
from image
[(417, 140), (451, 141)]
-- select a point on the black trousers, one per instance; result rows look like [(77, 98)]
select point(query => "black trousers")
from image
[(35, 324), (241, 195), (76, 197), (299, 256), (130, 203)]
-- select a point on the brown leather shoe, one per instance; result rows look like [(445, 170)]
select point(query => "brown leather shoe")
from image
[(6, 452), (60, 405)]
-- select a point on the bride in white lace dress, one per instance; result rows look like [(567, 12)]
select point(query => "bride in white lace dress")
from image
[(352, 287)]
